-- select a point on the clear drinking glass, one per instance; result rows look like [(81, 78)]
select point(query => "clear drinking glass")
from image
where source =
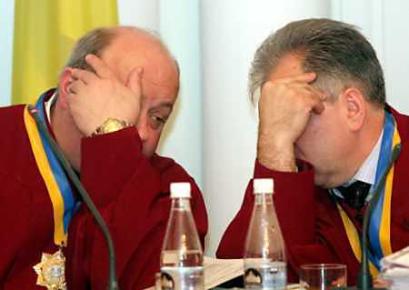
[(323, 276)]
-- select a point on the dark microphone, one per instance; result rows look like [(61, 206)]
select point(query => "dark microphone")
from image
[(364, 280), (112, 284)]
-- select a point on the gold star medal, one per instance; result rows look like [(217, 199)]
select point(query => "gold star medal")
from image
[(51, 271)]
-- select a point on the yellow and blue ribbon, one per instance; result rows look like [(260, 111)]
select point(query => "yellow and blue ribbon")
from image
[(380, 222), (380, 219), (55, 179), (354, 239)]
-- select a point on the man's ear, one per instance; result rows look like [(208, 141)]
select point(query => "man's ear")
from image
[(355, 106), (63, 88)]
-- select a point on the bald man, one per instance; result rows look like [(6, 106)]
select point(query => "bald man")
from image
[(107, 114)]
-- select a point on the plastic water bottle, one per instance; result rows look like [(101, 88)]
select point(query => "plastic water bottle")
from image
[(264, 258), (182, 255)]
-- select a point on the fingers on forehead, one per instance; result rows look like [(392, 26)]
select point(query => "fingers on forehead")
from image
[(303, 78), (83, 75), (99, 66)]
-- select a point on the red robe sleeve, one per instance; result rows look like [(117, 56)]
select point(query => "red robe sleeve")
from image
[(132, 194), (295, 202)]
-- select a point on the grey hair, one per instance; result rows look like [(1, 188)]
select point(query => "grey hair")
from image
[(337, 52), (94, 42)]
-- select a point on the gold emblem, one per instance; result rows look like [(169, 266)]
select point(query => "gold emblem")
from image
[(51, 271)]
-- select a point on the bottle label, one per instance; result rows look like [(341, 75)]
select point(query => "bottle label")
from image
[(272, 276), (183, 278)]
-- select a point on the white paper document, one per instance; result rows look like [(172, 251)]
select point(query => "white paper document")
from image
[(395, 268), (218, 271)]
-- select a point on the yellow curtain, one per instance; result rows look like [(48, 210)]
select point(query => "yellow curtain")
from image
[(44, 33)]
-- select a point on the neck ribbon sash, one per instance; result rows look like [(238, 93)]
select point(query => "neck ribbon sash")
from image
[(380, 219), (55, 179)]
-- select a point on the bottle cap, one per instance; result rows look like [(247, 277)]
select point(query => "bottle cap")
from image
[(180, 190), (263, 185)]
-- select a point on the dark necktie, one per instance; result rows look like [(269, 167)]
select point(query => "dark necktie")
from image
[(355, 194)]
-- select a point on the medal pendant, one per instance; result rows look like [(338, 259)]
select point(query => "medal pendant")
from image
[(51, 271)]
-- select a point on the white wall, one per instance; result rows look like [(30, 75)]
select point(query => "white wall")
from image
[(179, 28), (140, 13), (177, 23)]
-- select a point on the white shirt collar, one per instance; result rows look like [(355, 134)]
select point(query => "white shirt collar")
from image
[(367, 171), (48, 105)]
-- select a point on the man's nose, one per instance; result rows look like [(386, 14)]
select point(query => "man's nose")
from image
[(142, 127)]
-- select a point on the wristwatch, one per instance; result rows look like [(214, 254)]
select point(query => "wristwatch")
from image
[(111, 125)]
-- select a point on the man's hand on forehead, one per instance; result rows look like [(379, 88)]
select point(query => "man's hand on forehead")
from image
[(285, 107), (95, 97)]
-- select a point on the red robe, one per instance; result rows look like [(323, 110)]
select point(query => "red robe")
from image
[(131, 192), (312, 227)]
